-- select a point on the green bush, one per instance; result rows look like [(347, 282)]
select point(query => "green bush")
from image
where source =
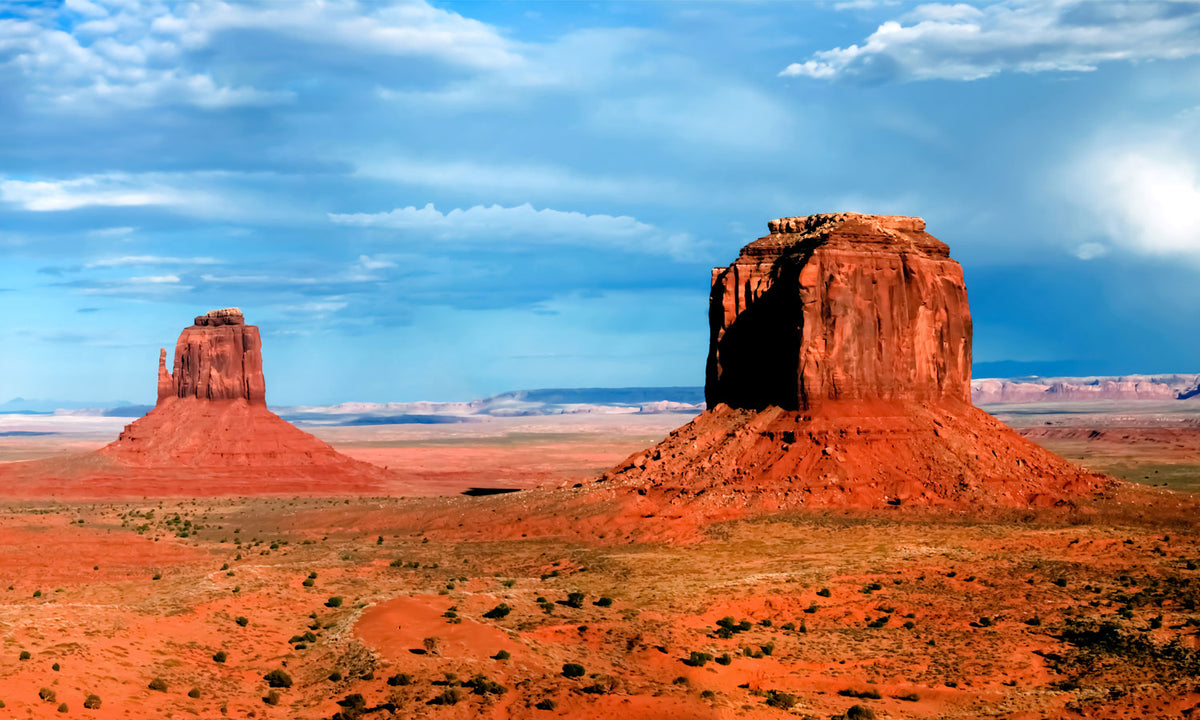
[(604, 602), (824, 592), (572, 670), (450, 696), (575, 599), (335, 676), (502, 655), (194, 693), (723, 659), (24, 655), (278, 679), (220, 656), (697, 659), (55, 667), (860, 712), (781, 700), (400, 680), (241, 620), (335, 601), (500, 611)]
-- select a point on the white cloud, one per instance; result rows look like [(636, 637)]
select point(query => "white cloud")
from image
[(155, 279), (133, 260), (962, 42), (508, 180), (110, 190), (1150, 203), (89, 54), (525, 224), (366, 262), (1091, 250)]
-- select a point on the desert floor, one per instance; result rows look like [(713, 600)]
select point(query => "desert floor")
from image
[(1086, 611)]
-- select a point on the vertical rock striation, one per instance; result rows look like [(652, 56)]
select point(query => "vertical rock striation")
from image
[(839, 307), (839, 374), (218, 358)]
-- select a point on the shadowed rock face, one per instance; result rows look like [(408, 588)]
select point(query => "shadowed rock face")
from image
[(839, 375), (839, 307), (218, 358)]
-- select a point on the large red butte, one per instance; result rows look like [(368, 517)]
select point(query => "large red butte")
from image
[(839, 373)]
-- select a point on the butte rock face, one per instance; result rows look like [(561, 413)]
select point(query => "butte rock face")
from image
[(210, 433), (839, 374)]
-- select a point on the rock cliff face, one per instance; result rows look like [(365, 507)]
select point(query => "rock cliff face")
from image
[(839, 307), (839, 374), (1165, 388), (218, 358), (211, 421)]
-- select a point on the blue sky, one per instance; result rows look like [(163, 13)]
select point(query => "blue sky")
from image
[(449, 200)]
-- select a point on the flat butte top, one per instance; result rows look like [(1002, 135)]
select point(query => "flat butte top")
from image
[(847, 231)]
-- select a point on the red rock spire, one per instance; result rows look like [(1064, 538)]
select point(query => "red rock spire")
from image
[(218, 358)]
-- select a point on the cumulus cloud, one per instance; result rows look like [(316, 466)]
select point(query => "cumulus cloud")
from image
[(1147, 199), (526, 223), (943, 41), (88, 54)]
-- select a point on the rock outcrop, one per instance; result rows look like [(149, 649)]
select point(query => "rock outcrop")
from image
[(839, 307), (839, 375), (209, 434), (218, 358), (1158, 388)]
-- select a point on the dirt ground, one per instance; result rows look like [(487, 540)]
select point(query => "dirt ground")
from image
[(1084, 611)]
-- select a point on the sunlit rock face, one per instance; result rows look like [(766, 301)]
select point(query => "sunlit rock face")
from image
[(839, 306)]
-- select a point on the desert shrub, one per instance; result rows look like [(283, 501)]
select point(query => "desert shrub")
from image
[(308, 582), (824, 592), (37, 593), (220, 656), (697, 659), (335, 601), (194, 693), (481, 685), (272, 698), (546, 704), (278, 679), (909, 625), (47, 694), (242, 620), (500, 611), (572, 670), (24, 655), (909, 697), (400, 680), (781, 700), (157, 576), (723, 659), (871, 694), (158, 684), (55, 667), (812, 608), (879, 621), (604, 685), (449, 696), (604, 602), (63, 708), (768, 648), (502, 655), (335, 676), (430, 644), (92, 702), (789, 626), (860, 712), (353, 701), (575, 599)]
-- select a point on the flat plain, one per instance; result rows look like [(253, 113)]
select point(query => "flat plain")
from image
[(379, 606)]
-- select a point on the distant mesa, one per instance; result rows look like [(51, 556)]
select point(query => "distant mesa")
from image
[(839, 374), (210, 433)]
